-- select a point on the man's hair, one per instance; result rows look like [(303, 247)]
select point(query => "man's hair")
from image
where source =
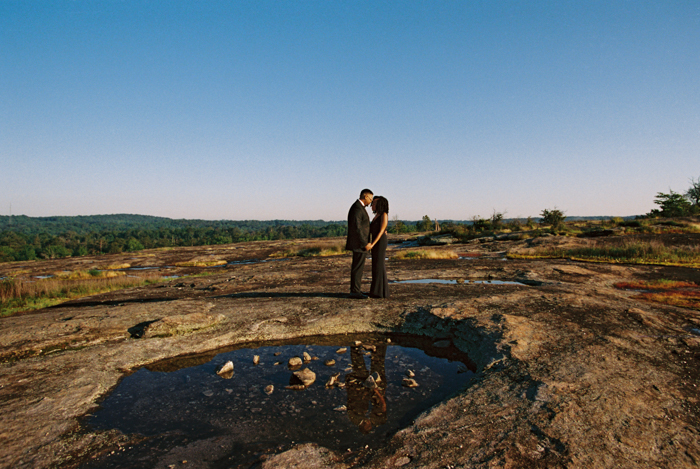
[(381, 205), (366, 191)]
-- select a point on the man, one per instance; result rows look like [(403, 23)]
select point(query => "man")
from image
[(358, 240)]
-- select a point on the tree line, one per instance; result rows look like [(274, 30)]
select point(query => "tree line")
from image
[(26, 238)]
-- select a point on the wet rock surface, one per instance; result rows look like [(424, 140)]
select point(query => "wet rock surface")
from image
[(571, 371)]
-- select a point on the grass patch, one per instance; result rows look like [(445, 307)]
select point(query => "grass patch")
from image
[(200, 263), (426, 254), (18, 295), (629, 253), (317, 250), (670, 292)]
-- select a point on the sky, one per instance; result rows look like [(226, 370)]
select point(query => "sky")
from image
[(287, 109)]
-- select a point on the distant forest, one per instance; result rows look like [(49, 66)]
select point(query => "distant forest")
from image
[(26, 238)]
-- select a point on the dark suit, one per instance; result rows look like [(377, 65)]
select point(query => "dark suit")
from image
[(358, 238)]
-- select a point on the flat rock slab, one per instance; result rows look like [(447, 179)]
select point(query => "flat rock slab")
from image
[(571, 373)]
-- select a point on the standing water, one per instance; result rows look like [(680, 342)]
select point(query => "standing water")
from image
[(365, 389)]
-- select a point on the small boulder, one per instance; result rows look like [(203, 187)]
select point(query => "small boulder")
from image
[(307, 357)]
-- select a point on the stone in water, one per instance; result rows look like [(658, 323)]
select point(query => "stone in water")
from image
[(294, 362), (226, 370), (305, 377)]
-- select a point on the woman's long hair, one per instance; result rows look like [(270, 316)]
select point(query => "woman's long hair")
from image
[(382, 205)]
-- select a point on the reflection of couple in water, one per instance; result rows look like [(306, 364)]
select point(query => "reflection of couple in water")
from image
[(366, 399), (359, 231)]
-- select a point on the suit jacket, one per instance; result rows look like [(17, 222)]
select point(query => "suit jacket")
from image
[(358, 227)]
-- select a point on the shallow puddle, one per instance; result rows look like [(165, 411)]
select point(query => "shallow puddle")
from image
[(459, 282), (184, 402)]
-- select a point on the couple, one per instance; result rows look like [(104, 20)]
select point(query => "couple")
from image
[(359, 230)]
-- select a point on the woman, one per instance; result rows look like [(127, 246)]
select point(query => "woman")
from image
[(378, 226)]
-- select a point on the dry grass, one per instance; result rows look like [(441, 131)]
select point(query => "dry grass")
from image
[(629, 253), (17, 295), (316, 250), (426, 254), (210, 263), (117, 266)]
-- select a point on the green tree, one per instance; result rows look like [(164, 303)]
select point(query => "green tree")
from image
[(672, 204), (133, 244), (426, 224)]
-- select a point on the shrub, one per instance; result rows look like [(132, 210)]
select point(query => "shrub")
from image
[(553, 217), (672, 204)]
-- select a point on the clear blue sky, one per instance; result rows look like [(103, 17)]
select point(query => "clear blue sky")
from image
[(287, 109)]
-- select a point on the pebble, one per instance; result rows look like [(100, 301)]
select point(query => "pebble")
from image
[(329, 362), (357, 342), (307, 357), (370, 348), (225, 368), (305, 376), (341, 408), (277, 354), (256, 359), (269, 389), (410, 373), (295, 387), (341, 350), (333, 380), (402, 461), (208, 393), (294, 362), (409, 383), (370, 383)]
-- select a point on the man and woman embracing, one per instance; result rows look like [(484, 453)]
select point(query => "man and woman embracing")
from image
[(365, 236)]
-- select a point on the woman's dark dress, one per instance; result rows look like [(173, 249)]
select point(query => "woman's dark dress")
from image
[(380, 282)]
